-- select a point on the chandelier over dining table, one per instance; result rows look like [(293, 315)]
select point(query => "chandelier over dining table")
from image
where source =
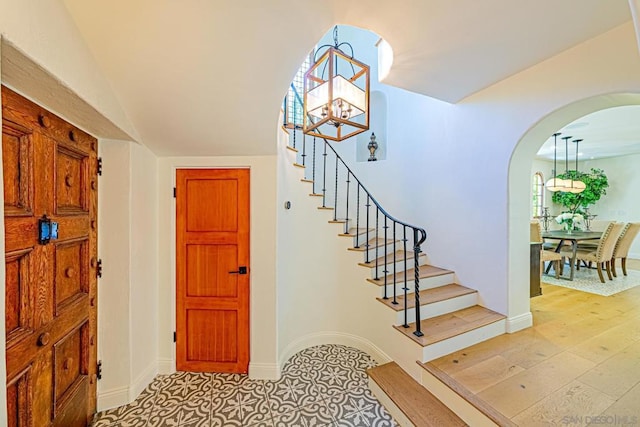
[(570, 185)]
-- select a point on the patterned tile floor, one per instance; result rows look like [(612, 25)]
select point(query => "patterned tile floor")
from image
[(320, 386)]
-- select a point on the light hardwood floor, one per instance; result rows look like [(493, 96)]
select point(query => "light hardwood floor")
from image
[(580, 361)]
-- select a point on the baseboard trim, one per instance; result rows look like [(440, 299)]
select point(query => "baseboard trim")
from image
[(520, 322), (112, 398), (329, 337), (264, 371), (166, 366), (143, 380)]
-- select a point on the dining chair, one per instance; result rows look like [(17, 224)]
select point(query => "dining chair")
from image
[(603, 253), (621, 249), (545, 255)]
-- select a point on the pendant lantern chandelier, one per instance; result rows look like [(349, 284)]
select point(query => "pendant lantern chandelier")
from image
[(336, 93), (565, 185)]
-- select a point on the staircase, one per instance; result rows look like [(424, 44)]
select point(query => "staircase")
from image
[(431, 313)]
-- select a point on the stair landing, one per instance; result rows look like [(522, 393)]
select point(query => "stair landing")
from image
[(408, 401)]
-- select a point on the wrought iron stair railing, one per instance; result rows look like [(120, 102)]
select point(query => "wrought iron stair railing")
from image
[(367, 211)]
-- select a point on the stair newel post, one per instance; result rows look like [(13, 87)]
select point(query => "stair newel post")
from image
[(366, 242), (335, 195), (395, 300), (416, 254), (313, 169), (384, 270), (346, 216), (405, 288), (324, 175)]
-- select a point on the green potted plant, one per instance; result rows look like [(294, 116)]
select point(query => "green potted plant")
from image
[(596, 183)]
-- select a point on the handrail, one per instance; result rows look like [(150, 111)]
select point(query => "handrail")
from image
[(419, 234)]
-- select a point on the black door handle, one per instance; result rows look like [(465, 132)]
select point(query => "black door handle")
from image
[(241, 270)]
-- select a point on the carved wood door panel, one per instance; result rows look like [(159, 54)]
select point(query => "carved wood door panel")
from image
[(49, 168)]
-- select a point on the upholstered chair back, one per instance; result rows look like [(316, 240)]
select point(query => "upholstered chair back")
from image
[(629, 233), (608, 241)]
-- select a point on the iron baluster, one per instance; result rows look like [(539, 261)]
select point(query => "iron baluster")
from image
[(324, 176), (385, 271), (405, 288), (376, 248), (395, 301), (304, 150), (357, 215), (346, 216), (366, 243), (313, 169), (294, 128), (335, 196), (416, 254)]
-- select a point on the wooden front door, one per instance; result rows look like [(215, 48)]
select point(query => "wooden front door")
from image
[(49, 168), (212, 277)]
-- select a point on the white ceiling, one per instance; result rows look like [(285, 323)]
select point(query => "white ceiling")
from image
[(207, 77), (606, 133)]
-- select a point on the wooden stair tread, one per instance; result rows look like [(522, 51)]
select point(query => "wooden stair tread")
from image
[(467, 395), (353, 231), (292, 149), (449, 325), (399, 257), (298, 165), (374, 243), (421, 407), (429, 296), (306, 180), (316, 194), (325, 208), (426, 271)]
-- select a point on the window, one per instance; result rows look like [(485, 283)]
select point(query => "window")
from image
[(537, 194), (293, 102)]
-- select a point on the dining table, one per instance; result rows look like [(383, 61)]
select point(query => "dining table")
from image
[(574, 237)]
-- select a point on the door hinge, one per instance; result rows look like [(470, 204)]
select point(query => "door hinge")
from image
[(99, 166), (174, 336), (174, 192), (99, 268), (99, 370)]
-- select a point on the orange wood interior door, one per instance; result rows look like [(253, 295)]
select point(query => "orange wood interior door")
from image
[(49, 167), (212, 271)]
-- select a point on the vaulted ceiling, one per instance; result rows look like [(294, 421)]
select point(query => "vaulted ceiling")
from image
[(207, 77)]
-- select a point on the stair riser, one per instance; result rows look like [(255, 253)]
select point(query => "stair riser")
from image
[(438, 308), (362, 238), (425, 283), (465, 340), (399, 267), (388, 249)]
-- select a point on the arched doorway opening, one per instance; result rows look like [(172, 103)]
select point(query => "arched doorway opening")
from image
[(519, 182)]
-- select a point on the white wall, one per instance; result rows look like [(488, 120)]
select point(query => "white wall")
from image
[(263, 341), (143, 287), (114, 248)]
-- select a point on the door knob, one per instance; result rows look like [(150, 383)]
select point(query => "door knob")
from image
[(241, 270)]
